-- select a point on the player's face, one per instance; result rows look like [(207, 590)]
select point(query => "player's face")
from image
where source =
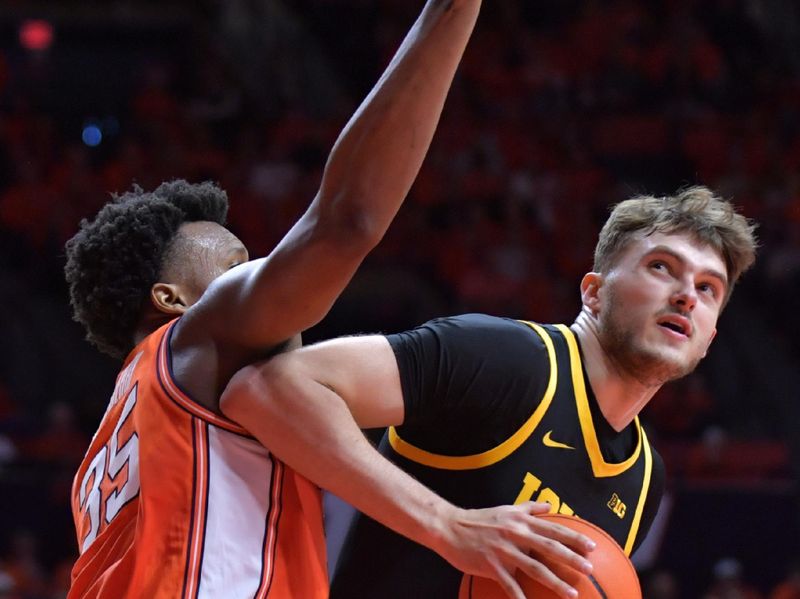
[(659, 306), (205, 250)]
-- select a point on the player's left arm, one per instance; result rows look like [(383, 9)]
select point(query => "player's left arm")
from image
[(301, 405)]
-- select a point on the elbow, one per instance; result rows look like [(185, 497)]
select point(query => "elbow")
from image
[(259, 392), (351, 224), (236, 400)]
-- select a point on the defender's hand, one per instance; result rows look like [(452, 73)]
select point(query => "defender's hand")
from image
[(495, 542)]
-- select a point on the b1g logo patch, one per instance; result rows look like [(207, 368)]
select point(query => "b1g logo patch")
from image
[(616, 505)]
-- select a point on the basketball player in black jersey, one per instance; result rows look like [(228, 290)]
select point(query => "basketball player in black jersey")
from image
[(487, 410)]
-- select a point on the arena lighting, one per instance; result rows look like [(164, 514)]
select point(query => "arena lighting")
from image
[(92, 135), (36, 34)]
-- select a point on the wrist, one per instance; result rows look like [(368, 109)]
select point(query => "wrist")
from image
[(439, 526)]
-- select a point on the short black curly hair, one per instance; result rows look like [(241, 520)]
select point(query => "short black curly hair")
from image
[(114, 260)]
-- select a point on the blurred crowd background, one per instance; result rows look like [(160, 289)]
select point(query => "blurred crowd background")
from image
[(561, 108)]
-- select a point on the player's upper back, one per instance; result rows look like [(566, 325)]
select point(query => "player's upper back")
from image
[(172, 500)]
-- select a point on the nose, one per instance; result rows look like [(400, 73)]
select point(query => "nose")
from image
[(685, 297)]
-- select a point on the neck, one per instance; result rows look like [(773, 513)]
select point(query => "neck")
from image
[(619, 395), (150, 321)]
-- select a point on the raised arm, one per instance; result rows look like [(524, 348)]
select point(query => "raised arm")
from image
[(299, 406), (368, 174)]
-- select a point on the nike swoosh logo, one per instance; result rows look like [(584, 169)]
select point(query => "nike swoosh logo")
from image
[(548, 441)]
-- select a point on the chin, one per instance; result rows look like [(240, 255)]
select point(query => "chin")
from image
[(649, 360), (655, 367)]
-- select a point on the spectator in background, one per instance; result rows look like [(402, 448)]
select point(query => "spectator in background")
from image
[(681, 410), (729, 582), (718, 456), (61, 442), (60, 579), (8, 588), (662, 584), (23, 566), (789, 587)]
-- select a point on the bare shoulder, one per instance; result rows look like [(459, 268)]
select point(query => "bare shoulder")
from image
[(205, 349)]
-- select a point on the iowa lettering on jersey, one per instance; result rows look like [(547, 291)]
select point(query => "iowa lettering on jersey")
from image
[(112, 478), (531, 484)]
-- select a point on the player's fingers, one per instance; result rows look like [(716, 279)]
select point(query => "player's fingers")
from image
[(550, 549), (551, 543), (536, 570), (563, 534), (535, 507), (576, 541), (507, 581)]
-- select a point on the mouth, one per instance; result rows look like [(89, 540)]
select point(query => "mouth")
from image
[(677, 324)]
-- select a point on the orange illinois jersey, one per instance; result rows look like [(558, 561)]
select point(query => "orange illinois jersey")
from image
[(175, 502)]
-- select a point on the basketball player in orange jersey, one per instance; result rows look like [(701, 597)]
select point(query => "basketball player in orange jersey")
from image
[(173, 500), (488, 411)]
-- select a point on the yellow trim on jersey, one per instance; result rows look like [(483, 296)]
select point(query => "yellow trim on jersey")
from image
[(600, 467), (494, 455), (637, 517)]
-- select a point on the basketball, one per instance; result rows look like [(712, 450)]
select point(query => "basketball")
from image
[(613, 577)]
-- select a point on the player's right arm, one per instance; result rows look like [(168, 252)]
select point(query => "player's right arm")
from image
[(367, 176), (302, 404)]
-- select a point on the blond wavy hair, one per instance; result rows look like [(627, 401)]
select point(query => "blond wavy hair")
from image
[(696, 211)]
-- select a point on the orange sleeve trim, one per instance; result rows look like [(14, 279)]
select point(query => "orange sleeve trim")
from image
[(176, 394)]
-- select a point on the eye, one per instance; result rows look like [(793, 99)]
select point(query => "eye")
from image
[(234, 265), (707, 288), (659, 265)]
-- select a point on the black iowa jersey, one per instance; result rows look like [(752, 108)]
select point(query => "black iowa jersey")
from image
[(499, 411)]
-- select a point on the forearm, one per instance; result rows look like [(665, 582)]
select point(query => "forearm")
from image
[(310, 427), (318, 438), (378, 154), (367, 177)]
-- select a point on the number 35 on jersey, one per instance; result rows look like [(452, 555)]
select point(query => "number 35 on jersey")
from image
[(112, 478)]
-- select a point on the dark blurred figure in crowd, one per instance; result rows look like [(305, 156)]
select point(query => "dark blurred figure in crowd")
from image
[(661, 584), (789, 587), (729, 582)]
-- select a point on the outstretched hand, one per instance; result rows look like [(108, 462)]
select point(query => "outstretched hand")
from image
[(496, 542)]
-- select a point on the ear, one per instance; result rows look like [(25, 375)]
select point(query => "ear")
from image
[(590, 291), (169, 298)]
